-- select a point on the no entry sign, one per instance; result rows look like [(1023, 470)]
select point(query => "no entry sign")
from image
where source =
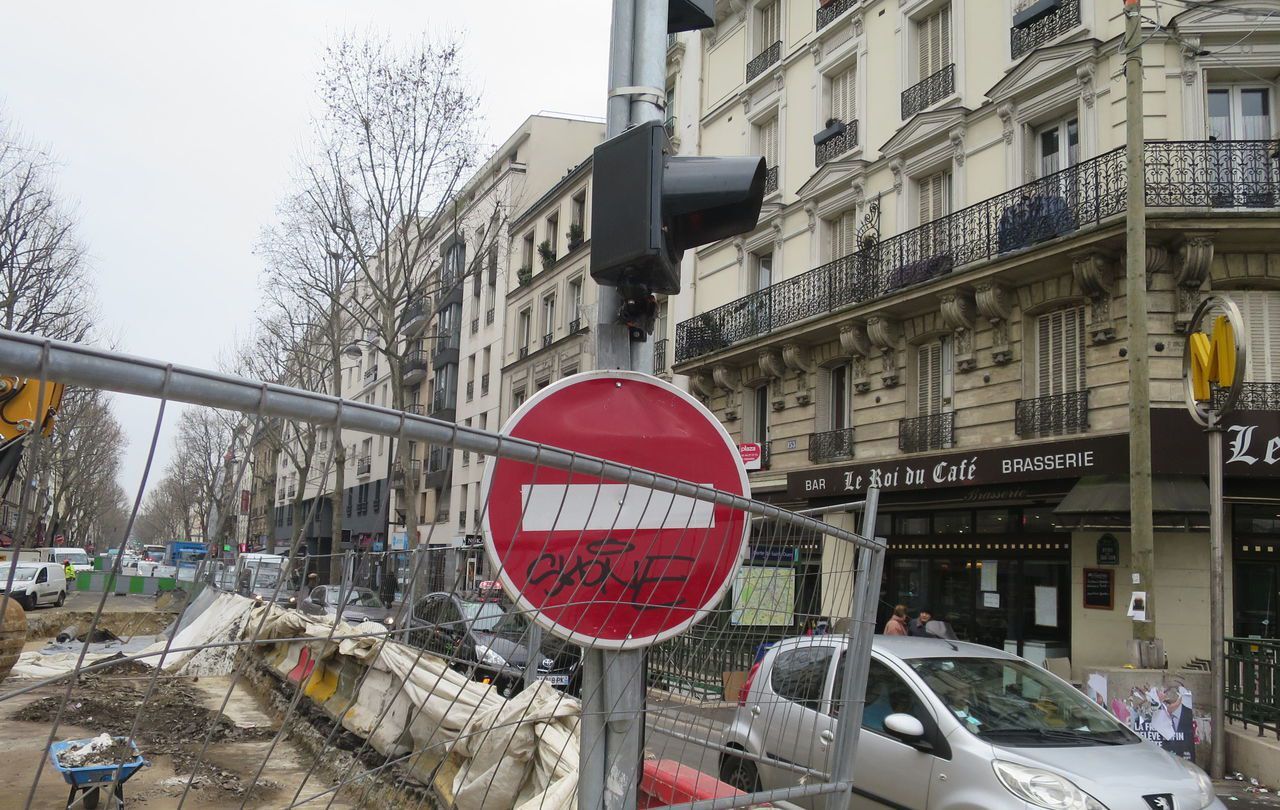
[(608, 563)]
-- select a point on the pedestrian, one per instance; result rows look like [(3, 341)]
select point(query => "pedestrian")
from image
[(313, 582), (917, 625), (69, 571), (897, 624), (389, 584)]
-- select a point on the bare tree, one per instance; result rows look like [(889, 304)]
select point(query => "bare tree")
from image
[(44, 286), (398, 136), (83, 457)]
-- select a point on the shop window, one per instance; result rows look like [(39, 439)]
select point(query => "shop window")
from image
[(1256, 520), (799, 674), (960, 522), (993, 521), (1038, 519), (916, 525)]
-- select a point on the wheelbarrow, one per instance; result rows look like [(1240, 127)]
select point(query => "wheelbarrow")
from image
[(93, 780)]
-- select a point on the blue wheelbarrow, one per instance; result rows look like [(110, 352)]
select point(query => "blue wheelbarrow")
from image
[(93, 780)]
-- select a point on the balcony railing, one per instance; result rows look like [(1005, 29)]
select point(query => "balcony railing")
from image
[(770, 179), (475, 325), (1253, 397), (660, 355), (524, 351), (831, 444), (1027, 38), (1214, 174), (484, 384), (414, 317), (293, 490), (1054, 415), (415, 408), (415, 366), (576, 325), (371, 373), (364, 466), (932, 432), (767, 57), (488, 316), (399, 479), (929, 91), (471, 391), (547, 339), (828, 13), (834, 147)]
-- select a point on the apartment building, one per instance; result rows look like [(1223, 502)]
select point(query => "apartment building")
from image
[(933, 300)]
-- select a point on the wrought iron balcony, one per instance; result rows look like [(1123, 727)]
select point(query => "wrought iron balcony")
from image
[(576, 325), (364, 465), (660, 355), (929, 91), (767, 57), (484, 384), (416, 314), (415, 408), (524, 351), (371, 373), (1214, 174), (834, 147), (415, 367), (831, 444), (475, 325), (770, 179), (547, 339), (828, 13), (488, 316), (400, 480), (1025, 39), (1253, 397), (293, 490), (932, 432), (1054, 415), (471, 390)]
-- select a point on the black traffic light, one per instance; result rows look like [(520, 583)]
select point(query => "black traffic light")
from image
[(690, 15), (649, 207)]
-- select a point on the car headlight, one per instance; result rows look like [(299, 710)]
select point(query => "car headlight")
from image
[(1044, 788), (489, 657), (389, 621), (1203, 783), (293, 600)]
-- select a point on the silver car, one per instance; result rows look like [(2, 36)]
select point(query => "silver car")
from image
[(949, 726)]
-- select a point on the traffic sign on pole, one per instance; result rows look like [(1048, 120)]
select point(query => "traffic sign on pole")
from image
[(611, 564)]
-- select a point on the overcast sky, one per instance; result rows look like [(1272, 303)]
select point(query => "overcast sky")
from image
[(175, 125)]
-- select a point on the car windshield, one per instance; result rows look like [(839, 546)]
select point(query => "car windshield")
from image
[(364, 599), (24, 574), (73, 557), (1012, 702), (491, 617)]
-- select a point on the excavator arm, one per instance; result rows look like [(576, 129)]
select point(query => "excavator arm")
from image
[(23, 406)]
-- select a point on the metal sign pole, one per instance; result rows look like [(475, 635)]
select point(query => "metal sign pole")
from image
[(1217, 595)]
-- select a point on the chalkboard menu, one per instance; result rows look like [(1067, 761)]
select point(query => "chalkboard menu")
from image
[(1099, 588), (1108, 550)]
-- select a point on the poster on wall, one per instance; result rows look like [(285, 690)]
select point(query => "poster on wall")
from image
[(1095, 688), (763, 595), (1162, 713)]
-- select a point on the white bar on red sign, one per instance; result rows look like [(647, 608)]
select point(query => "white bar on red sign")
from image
[(607, 507)]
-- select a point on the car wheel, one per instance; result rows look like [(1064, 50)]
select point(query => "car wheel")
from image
[(741, 773), (62, 598)]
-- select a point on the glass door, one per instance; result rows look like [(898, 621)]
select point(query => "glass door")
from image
[(1257, 595), (1240, 165)]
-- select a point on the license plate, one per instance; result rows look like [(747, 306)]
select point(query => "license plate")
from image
[(555, 680)]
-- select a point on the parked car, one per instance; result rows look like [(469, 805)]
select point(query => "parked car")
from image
[(363, 605), (485, 638), (37, 583), (948, 725)]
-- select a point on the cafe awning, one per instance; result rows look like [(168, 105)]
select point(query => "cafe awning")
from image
[(1179, 503)]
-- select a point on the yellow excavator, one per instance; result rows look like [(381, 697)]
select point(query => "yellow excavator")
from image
[(23, 406)]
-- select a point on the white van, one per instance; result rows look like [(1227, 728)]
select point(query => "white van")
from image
[(37, 583), (78, 557)]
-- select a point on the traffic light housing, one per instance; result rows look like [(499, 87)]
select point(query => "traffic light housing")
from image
[(649, 207)]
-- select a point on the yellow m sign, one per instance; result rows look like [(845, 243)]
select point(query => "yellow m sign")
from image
[(1213, 359)]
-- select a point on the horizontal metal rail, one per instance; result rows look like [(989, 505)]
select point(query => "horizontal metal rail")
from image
[(75, 364)]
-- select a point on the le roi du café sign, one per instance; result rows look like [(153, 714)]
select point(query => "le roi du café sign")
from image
[(1064, 459)]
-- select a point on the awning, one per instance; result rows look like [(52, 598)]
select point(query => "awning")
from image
[(1179, 503)]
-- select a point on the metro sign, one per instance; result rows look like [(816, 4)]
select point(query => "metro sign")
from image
[(613, 564), (1213, 359)]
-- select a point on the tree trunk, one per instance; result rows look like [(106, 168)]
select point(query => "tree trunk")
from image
[(339, 460)]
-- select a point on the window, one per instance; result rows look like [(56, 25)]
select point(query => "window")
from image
[(484, 370), (575, 299), (767, 141), (933, 377), (762, 279), (526, 251), (935, 197), (522, 336), (799, 675), (844, 234), (454, 262), (839, 397), (517, 398), (934, 42), (770, 30), (1060, 352), (759, 432), (843, 105), (548, 317), (1261, 312), (886, 694), (578, 209), (1058, 146), (553, 233), (660, 326), (1239, 113)]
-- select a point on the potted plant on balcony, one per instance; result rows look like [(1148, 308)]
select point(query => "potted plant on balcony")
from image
[(524, 276), (547, 254), (576, 236)]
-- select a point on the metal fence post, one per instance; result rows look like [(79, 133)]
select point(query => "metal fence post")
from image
[(857, 661)]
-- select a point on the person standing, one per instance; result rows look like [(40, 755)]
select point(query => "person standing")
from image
[(897, 624), (917, 627), (69, 571)]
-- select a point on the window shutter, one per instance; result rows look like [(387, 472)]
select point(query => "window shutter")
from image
[(1060, 352), (926, 25), (769, 142), (944, 37), (929, 379), (926, 193), (1044, 350), (842, 96), (1267, 366)]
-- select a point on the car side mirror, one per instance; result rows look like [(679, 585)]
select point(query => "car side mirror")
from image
[(904, 727)]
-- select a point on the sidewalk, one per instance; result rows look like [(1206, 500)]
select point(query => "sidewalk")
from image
[(1242, 795)]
